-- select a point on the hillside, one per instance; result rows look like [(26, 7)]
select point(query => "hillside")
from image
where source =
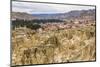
[(67, 45), (22, 16), (68, 15)]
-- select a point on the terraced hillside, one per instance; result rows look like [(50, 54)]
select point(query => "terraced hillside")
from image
[(65, 45)]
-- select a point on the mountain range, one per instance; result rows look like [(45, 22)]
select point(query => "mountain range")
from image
[(68, 15)]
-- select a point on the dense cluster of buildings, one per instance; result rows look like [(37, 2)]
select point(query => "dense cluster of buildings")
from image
[(65, 25)]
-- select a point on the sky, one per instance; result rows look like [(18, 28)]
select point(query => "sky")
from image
[(44, 8)]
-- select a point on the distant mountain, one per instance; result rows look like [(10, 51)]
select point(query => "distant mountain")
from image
[(24, 16), (67, 15), (80, 14)]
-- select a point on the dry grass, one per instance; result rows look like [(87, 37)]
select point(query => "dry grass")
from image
[(68, 45)]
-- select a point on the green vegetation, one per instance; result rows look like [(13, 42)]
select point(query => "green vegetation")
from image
[(32, 24)]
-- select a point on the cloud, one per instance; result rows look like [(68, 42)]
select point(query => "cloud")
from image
[(45, 8)]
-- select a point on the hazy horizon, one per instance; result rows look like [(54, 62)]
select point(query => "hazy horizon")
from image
[(44, 8)]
